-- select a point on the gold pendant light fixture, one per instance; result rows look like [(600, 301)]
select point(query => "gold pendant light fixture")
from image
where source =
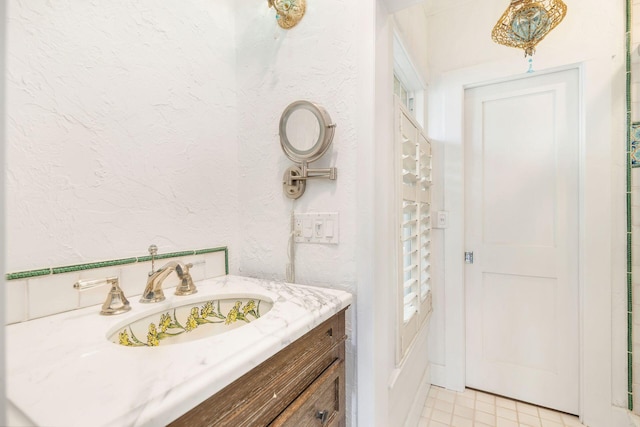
[(289, 12), (526, 22)]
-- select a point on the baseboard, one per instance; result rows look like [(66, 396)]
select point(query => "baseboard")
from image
[(621, 417), (17, 418), (438, 375)]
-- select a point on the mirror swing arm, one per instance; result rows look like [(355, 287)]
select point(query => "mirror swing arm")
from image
[(296, 177)]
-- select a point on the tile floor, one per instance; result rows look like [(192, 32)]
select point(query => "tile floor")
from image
[(472, 408)]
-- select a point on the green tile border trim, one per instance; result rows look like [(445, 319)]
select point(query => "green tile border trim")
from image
[(111, 263), (210, 250), (92, 265), (632, 149), (167, 255), (30, 273)]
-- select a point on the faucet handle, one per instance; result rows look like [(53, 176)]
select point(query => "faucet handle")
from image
[(116, 302), (83, 285), (186, 286)]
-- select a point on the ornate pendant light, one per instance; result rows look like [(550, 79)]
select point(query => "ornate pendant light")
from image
[(526, 22), (289, 12)]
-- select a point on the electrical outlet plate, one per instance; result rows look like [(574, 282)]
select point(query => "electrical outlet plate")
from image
[(317, 227)]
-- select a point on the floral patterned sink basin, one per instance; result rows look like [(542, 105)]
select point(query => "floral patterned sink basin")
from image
[(190, 322)]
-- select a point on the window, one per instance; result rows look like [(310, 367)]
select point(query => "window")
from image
[(413, 151), (400, 90), (413, 201), (408, 84)]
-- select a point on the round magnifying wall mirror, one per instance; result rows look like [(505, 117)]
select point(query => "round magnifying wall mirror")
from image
[(306, 131)]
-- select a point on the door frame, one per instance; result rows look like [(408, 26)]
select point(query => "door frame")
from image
[(599, 204)]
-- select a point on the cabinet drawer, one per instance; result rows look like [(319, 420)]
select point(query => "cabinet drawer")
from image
[(259, 396), (321, 405)]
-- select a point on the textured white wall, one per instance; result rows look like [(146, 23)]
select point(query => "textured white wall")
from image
[(315, 61), (121, 129)]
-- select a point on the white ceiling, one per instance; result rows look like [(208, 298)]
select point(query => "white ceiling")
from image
[(430, 6), (435, 6), (396, 5)]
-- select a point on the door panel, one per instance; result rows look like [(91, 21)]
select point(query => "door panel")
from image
[(521, 222), (527, 152), (525, 316)]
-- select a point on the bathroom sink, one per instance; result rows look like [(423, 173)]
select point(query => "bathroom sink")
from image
[(190, 322)]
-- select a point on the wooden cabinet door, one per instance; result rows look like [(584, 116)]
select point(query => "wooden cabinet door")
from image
[(320, 405)]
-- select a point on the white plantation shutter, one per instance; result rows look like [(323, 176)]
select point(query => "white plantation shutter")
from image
[(414, 281), (410, 259), (424, 199)]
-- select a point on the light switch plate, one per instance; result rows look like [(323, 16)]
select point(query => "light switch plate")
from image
[(316, 227), (442, 219)]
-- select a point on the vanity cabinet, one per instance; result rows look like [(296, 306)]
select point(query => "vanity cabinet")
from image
[(302, 385)]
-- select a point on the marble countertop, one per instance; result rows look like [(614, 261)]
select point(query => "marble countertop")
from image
[(62, 370)]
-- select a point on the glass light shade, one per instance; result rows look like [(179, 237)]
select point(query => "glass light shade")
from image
[(526, 22)]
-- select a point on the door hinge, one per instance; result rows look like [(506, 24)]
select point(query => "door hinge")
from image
[(468, 257)]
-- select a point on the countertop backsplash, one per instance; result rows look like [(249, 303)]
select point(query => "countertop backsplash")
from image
[(46, 291)]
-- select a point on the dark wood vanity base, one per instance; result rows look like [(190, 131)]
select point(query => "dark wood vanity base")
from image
[(302, 385)]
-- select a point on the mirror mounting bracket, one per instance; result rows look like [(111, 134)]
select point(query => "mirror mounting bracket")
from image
[(292, 184), (295, 178)]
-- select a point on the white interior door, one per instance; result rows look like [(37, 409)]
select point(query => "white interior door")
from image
[(521, 222)]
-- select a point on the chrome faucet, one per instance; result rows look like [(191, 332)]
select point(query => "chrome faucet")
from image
[(153, 291)]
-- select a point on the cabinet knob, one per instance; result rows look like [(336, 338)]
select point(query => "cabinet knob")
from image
[(322, 416)]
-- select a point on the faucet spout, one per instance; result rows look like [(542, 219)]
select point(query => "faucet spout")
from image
[(153, 291)]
